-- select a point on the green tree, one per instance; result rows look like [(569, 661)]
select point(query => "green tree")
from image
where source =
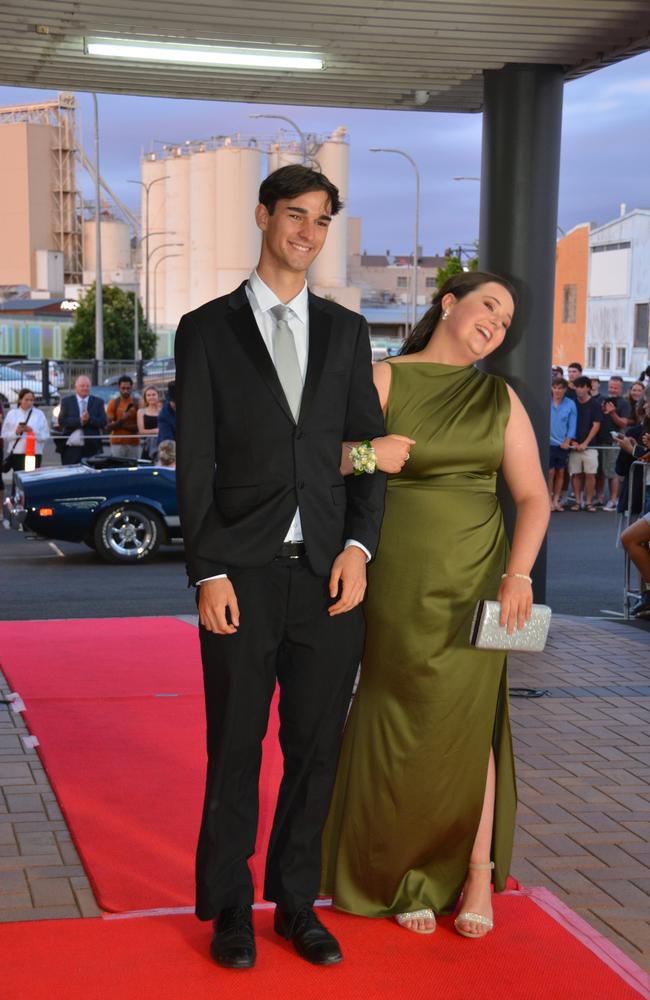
[(454, 265), (118, 327)]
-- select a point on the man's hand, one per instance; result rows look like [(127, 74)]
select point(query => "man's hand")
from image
[(348, 571), (216, 597), (85, 417), (392, 451), (581, 447)]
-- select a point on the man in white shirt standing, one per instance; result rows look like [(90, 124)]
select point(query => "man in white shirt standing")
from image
[(270, 380)]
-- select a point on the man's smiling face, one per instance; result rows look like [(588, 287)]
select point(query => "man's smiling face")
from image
[(295, 233)]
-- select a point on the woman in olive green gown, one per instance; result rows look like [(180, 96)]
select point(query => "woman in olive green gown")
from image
[(425, 798)]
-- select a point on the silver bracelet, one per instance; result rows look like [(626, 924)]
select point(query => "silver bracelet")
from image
[(519, 576)]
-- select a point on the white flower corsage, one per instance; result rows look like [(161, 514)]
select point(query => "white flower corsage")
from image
[(363, 458)]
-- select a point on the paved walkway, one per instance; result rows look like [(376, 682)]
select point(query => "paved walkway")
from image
[(582, 750)]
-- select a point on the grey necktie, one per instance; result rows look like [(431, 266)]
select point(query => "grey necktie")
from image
[(285, 357)]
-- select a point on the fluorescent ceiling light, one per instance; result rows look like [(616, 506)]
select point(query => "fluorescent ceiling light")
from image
[(118, 48)]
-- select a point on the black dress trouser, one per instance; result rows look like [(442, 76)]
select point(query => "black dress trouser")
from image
[(285, 635)]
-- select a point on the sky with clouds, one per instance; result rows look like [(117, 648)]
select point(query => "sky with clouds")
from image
[(605, 152)]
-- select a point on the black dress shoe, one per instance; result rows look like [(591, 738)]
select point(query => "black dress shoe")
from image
[(311, 940), (233, 942)]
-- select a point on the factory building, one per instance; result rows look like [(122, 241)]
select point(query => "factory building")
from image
[(39, 198)]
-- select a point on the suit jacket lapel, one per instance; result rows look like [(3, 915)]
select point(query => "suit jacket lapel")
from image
[(319, 336), (242, 321)]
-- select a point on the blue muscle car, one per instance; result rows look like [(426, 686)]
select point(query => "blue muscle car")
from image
[(124, 511)]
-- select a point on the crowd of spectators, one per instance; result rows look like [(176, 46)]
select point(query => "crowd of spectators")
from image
[(133, 427), (595, 440)]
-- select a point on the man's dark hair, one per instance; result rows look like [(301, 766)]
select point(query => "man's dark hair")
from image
[(294, 180), (582, 382), (171, 392), (615, 378), (575, 364), (560, 381), (125, 378)]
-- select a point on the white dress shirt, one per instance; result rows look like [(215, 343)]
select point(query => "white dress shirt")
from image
[(37, 423), (262, 300)]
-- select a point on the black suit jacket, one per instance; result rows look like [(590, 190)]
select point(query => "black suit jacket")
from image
[(244, 464), (69, 421)]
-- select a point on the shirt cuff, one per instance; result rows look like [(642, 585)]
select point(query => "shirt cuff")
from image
[(219, 576), (352, 541)]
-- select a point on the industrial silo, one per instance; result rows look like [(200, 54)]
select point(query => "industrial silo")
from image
[(175, 300), (203, 229), (238, 174), (153, 170), (281, 155), (329, 270), (116, 246)]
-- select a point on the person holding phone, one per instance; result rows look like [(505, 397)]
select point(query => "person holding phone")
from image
[(17, 424), (122, 413)]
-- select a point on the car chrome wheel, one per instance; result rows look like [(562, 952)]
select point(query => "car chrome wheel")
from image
[(128, 533)]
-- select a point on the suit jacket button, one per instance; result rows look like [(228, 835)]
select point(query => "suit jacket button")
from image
[(301, 485), (298, 435)]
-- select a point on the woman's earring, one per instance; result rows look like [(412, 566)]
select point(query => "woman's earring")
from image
[(445, 314)]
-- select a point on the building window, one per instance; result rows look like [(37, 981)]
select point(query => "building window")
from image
[(605, 357), (430, 283), (605, 247), (621, 357), (569, 298), (403, 282), (642, 325), (591, 357)]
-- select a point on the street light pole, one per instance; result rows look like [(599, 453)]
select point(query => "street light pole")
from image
[(161, 246), (99, 297), (155, 278), (414, 290), (303, 138), (147, 185)]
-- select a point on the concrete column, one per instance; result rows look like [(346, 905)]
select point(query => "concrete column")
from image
[(522, 124)]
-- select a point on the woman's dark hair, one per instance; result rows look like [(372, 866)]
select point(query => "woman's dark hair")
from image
[(23, 392), (294, 180), (459, 285)]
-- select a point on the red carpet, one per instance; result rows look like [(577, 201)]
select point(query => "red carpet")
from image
[(117, 706), (529, 956)]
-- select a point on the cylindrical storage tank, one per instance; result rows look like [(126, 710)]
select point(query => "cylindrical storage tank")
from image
[(176, 268), (203, 239), (237, 236), (329, 270), (282, 156), (152, 169), (116, 245)]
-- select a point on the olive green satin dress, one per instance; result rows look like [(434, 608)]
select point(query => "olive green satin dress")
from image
[(413, 765)]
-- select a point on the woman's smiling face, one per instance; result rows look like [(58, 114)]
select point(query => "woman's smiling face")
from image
[(481, 318)]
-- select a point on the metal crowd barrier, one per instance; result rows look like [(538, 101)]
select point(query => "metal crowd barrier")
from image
[(628, 593)]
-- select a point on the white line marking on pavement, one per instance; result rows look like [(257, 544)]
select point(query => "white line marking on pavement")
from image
[(617, 614), (56, 549)]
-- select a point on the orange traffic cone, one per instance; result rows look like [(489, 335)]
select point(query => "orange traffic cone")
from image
[(30, 450)]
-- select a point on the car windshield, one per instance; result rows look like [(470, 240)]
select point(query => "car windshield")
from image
[(9, 373)]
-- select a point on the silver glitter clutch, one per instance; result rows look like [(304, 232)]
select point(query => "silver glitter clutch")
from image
[(487, 633)]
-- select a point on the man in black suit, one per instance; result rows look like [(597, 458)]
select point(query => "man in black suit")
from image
[(270, 380), (81, 419)]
